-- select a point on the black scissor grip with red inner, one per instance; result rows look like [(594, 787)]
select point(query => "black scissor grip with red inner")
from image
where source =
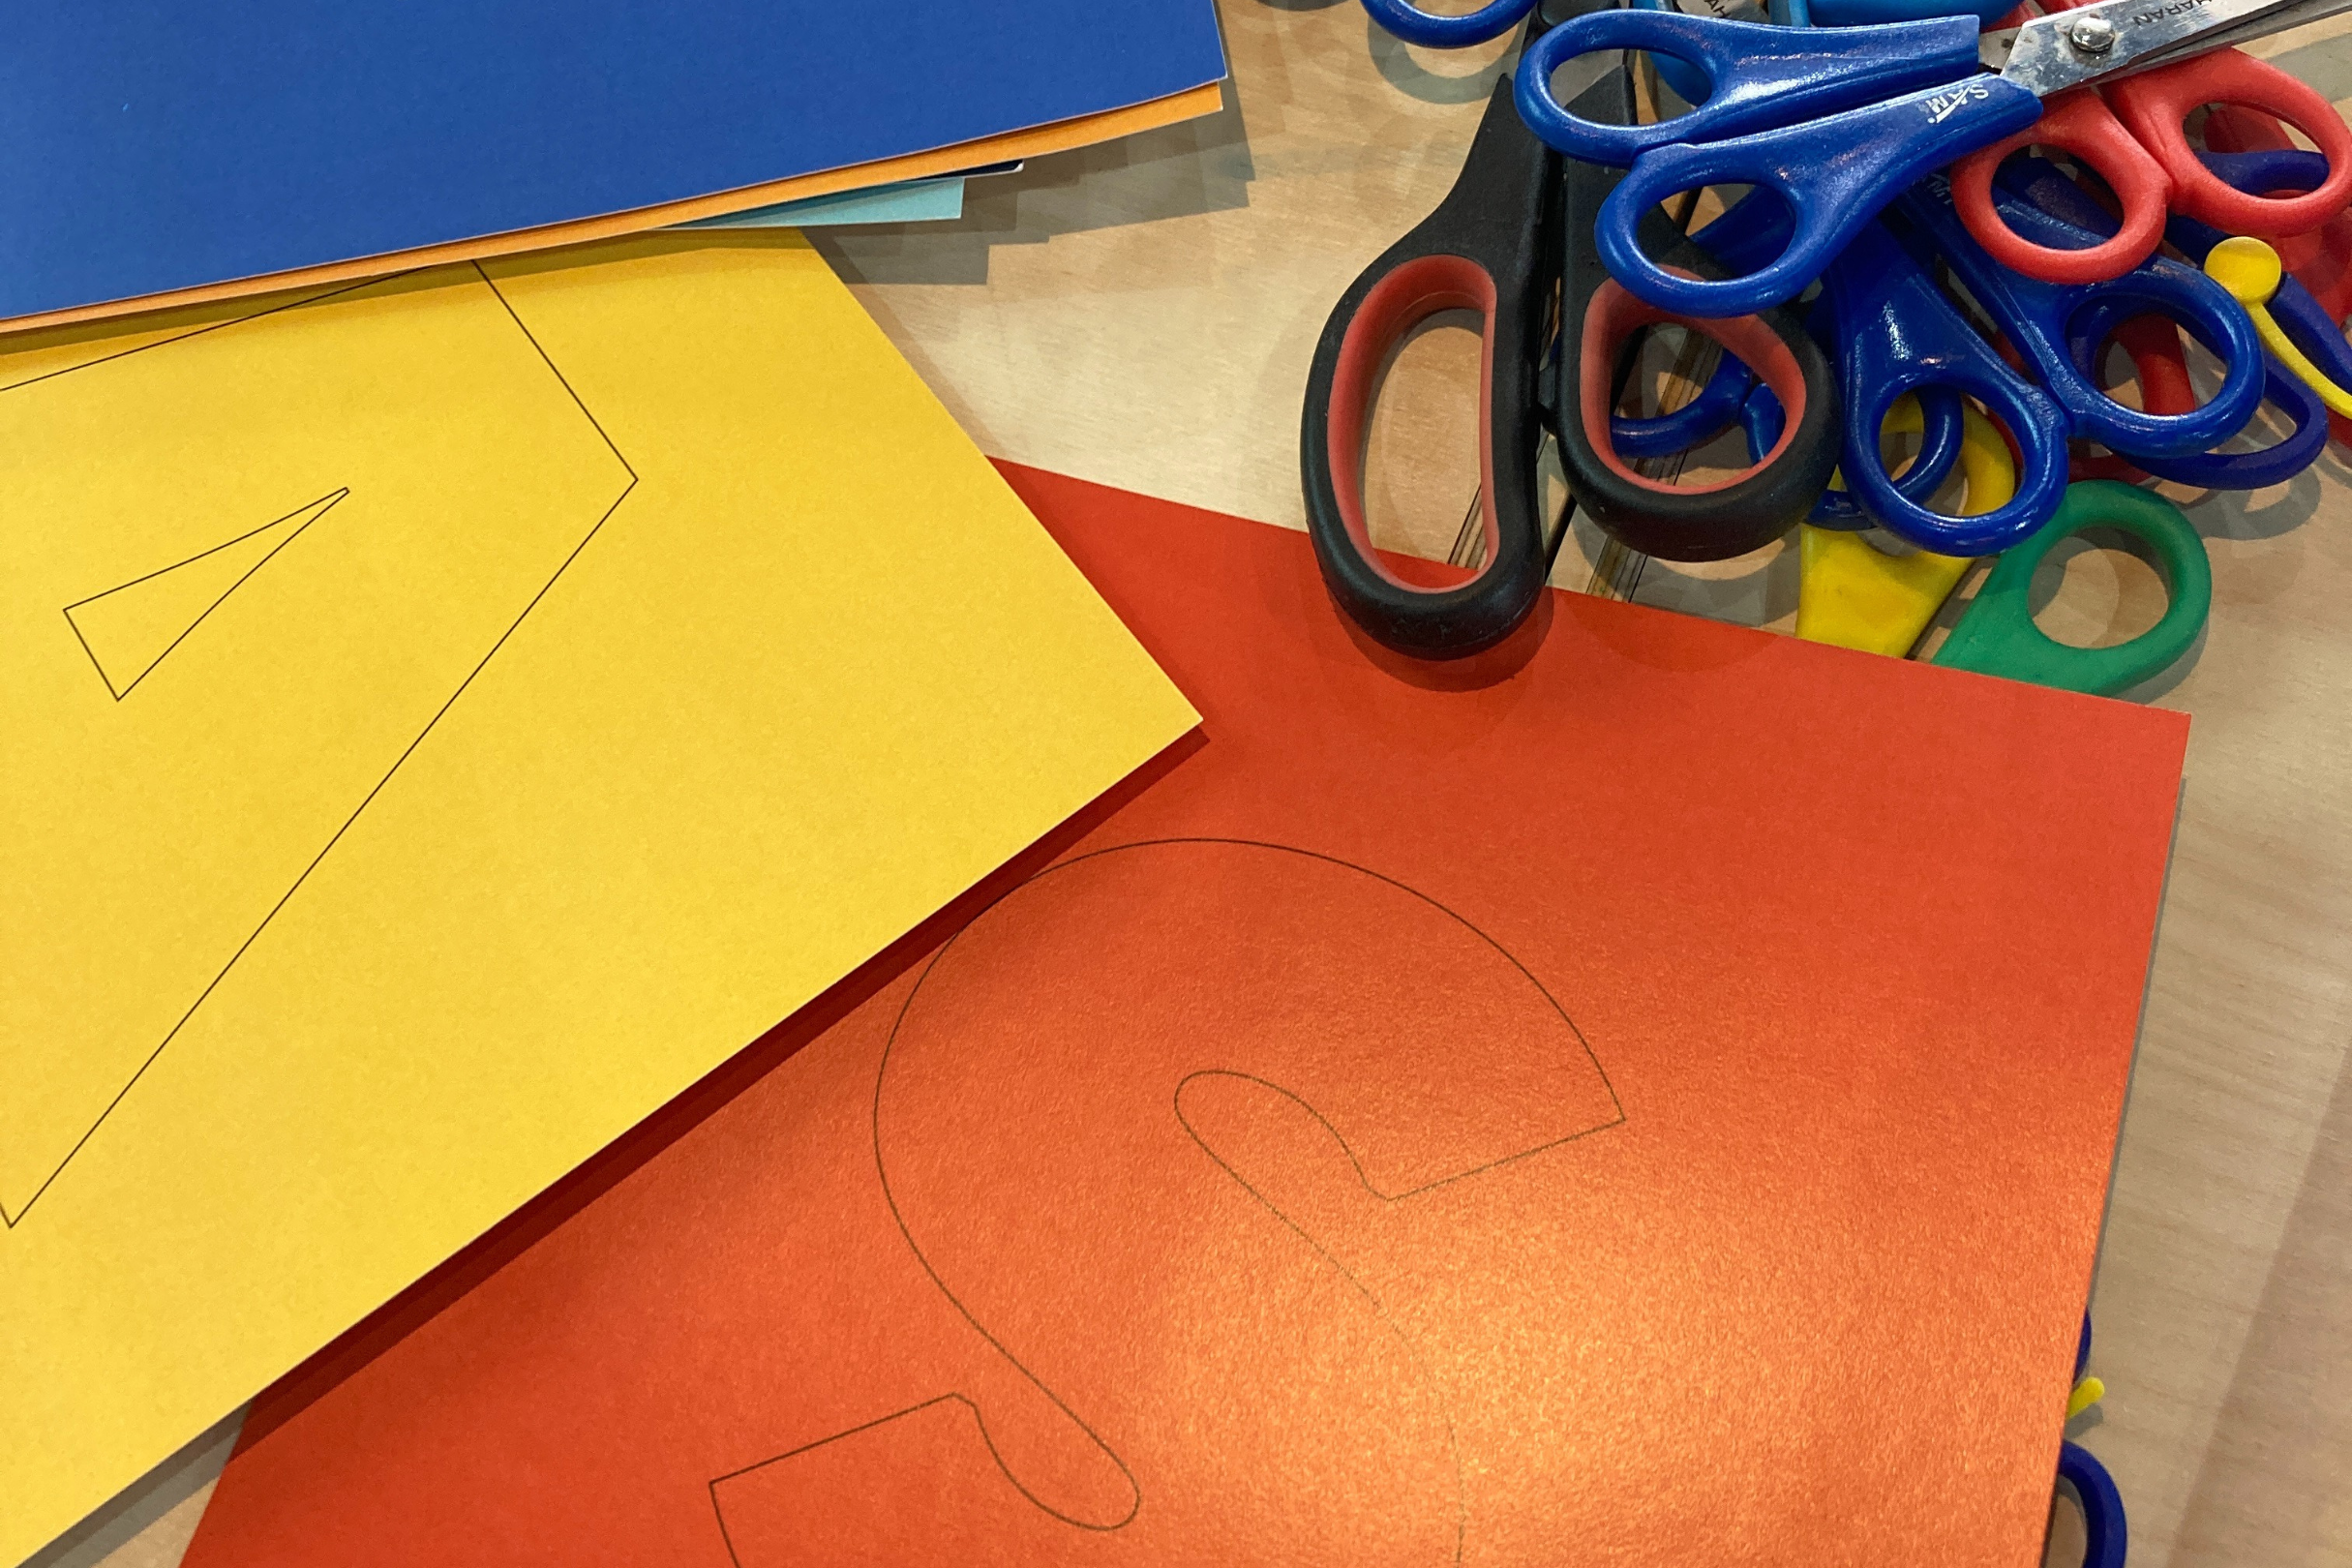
[(1514, 235), (1676, 522), (1489, 246)]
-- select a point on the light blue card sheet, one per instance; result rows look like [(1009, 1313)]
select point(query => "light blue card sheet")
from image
[(903, 202)]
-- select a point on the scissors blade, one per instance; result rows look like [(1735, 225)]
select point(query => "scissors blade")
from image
[(2118, 37), (2295, 15)]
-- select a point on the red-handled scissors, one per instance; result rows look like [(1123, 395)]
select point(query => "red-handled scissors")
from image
[(1838, 121), (2321, 261), (2133, 132)]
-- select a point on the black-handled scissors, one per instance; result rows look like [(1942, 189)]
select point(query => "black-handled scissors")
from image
[(1489, 247), (1493, 245), (1677, 521)]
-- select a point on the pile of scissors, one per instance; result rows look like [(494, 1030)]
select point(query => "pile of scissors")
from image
[(1951, 222)]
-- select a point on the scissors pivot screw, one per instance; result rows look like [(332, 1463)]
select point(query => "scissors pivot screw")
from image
[(2093, 35)]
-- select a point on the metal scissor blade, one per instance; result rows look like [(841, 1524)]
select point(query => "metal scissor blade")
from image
[(2119, 37), (2294, 15)]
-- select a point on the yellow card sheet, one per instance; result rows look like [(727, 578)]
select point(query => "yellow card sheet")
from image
[(444, 718)]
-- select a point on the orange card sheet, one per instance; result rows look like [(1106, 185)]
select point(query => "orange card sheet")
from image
[(1643, 1097)]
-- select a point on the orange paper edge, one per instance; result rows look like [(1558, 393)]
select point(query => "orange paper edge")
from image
[(1062, 135)]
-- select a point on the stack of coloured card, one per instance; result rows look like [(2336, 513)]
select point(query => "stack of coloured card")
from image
[(156, 158)]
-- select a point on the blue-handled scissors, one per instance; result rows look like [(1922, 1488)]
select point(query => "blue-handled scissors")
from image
[(1837, 122), (1895, 331), (1691, 83), (2105, 1533), (1437, 32), (2034, 316), (1743, 239), (1711, 521), (2043, 184), (1737, 239)]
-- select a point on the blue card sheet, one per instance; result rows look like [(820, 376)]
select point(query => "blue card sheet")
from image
[(148, 146)]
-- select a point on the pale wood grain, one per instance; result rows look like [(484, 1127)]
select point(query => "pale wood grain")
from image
[(1143, 314)]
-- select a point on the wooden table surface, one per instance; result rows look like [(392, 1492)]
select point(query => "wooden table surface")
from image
[(1142, 313)]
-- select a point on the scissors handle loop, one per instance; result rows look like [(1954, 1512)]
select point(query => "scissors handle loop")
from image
[(2323, 258), (1988, 470), (2155, 347), (1833, 174), (1896, 334), (2081, 122), (1489, 247), (2156, 105), (2207, 315), (1696, 522), (2105, 1535), (1432, 31), (1998, 634), (1679, 522), (2017, 404), (1757, 75), (2034, 314), (1707, 415)]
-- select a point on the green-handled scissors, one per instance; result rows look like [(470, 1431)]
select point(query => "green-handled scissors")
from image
[(1997, 637)]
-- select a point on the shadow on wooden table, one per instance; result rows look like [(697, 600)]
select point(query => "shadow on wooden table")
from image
[(1175, 171), (160, 1512)]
